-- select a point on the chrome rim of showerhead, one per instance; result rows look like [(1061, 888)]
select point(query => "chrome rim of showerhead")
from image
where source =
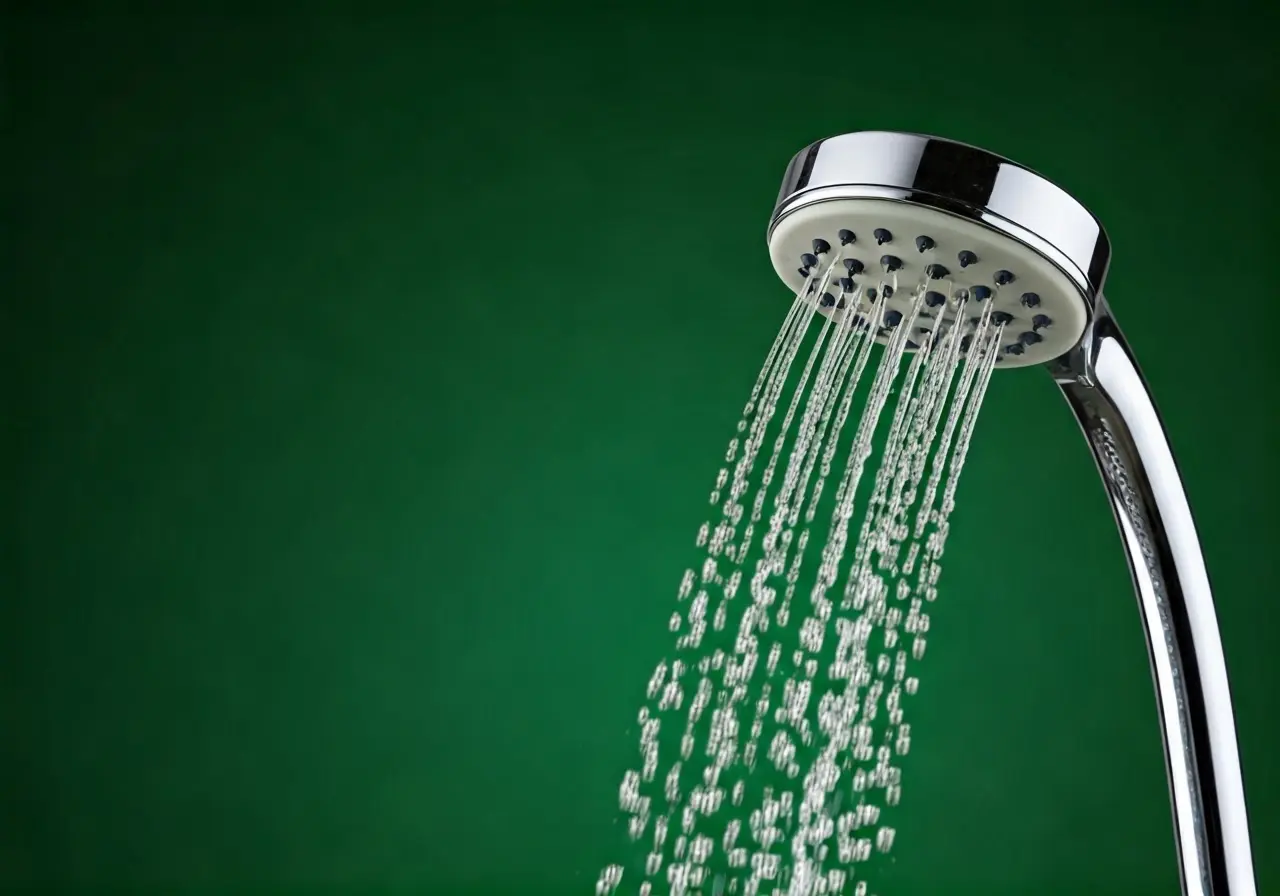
[(958, 179)]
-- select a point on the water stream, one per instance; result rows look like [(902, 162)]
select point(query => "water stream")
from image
[(781, 776)]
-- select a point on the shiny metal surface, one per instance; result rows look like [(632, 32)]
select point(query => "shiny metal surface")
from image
[(955, 178), (1106, 390)]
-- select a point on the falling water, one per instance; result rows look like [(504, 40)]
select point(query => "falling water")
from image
[(769, 753)]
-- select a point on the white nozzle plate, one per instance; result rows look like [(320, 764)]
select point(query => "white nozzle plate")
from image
[(1039, 292)]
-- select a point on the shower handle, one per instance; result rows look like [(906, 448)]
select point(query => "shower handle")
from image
[(1111, 401)]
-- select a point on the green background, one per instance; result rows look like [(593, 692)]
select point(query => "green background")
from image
[(367, 375)]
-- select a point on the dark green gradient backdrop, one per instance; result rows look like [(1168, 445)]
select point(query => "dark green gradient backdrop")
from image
[(368, 374)]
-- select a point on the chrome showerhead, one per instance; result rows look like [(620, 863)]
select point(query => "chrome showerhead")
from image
[(950, 229), (902, 215)]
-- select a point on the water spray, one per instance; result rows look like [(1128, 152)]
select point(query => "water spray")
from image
[(957, 263)]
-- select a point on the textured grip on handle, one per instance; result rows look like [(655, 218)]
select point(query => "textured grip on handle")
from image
[(1115, 409)]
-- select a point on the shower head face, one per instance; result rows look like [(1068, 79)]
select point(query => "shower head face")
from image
[(967, 228), (899, 249)]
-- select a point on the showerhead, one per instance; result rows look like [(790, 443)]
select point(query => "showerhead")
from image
[(904, 216), (951, 230)]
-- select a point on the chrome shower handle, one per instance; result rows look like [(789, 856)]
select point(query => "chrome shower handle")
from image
[(1105, 388)]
